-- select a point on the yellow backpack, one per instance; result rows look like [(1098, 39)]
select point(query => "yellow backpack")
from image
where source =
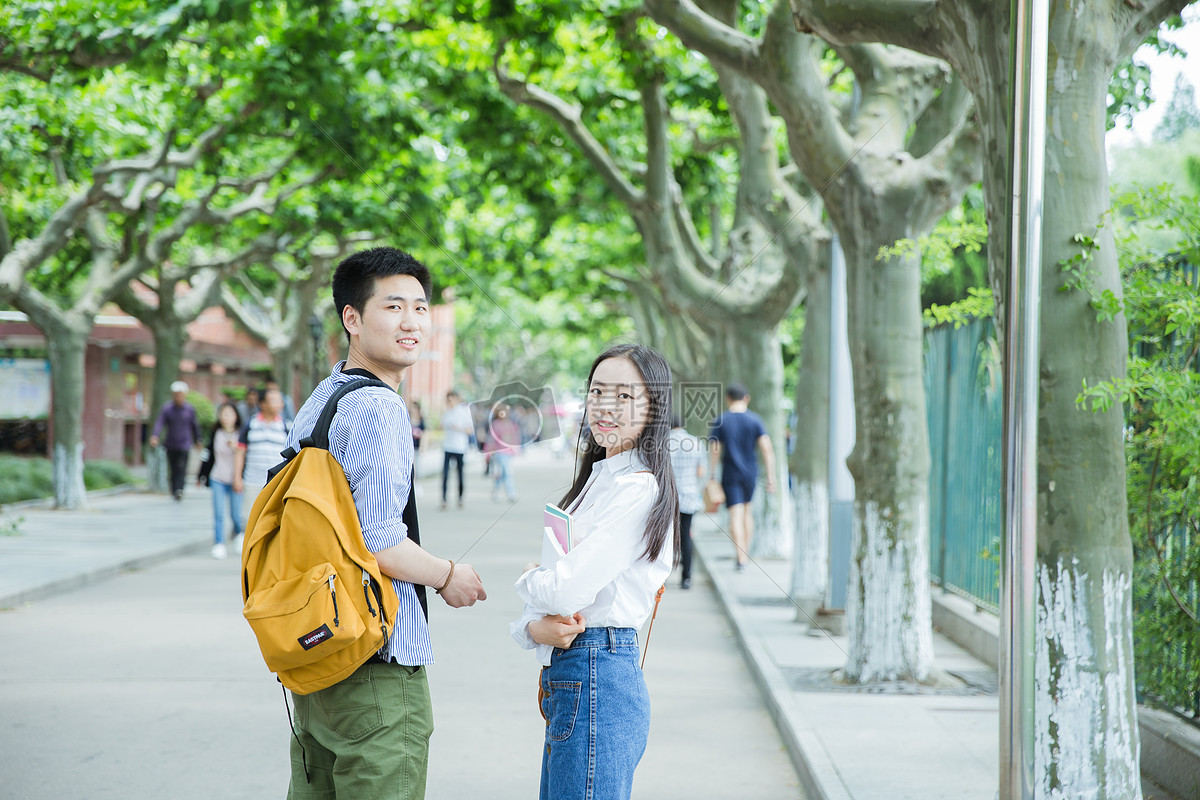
[(313, 592)]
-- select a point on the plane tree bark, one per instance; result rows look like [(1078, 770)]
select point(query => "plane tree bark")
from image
[(1086, 734), (169, 315), (129, 225), (278, 314), (887, 167), (736, 298)]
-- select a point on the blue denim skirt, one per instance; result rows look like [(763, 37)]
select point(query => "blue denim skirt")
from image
[(597, 717)]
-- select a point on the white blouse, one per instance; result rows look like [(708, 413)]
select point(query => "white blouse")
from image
[(604, 576)]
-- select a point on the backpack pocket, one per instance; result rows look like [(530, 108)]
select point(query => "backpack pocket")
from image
[(304, 619)]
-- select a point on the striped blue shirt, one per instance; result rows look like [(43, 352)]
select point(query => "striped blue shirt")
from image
[(371, 437)]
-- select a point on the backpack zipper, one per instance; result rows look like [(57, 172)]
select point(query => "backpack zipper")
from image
[(333, 594), (366, 582)]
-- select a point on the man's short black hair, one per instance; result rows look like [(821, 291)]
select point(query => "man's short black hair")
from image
[(735, 392), (354, 279)]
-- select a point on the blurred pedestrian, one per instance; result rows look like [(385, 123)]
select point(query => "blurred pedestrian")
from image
[(735, 435), (418, 425), (688, 465), (217, 471), (183, 433), (263, 438), (288, 409), (456, 438), (504, 441), (624, 510), (248, 407)]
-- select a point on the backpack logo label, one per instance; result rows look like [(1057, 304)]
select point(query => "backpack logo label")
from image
[(310, 640)]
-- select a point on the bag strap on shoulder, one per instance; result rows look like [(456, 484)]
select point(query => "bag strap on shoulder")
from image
[(320, 432)]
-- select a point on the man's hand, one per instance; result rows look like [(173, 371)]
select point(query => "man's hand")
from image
[(463, 588), (557, 631), (154, 441), (238, 484)]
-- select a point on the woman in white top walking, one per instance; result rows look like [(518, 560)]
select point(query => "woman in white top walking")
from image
[(624, 507)]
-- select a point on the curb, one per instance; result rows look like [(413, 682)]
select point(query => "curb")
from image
[(816, 770), (48, 502), (102, 573)]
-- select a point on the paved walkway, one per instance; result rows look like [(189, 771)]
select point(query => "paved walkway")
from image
[(148, 682)]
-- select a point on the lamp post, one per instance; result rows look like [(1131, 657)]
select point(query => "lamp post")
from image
[(1028, 51), (317, 329)]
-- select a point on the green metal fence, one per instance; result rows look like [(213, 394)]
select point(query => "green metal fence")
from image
[(966, 515)]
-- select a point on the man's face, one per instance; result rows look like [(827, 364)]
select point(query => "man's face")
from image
[(272, 403), (392, 327), (178, 397)]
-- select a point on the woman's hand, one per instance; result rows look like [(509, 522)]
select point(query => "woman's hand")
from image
[(557, 631), (529, 566)]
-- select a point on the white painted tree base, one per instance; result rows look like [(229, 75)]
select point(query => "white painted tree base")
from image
[(810, 552), (888, 616), (1086, 744), (69, 491), (773, 522)]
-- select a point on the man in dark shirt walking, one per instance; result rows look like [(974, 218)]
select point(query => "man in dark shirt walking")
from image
[(183, 433), (735, 434)]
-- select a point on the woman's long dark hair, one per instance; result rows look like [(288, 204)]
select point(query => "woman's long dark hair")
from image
[(651, 447)]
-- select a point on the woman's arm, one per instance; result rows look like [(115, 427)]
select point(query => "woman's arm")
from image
[(614, 543)]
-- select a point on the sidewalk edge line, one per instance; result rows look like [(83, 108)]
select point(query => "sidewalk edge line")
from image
[(816, 770), (99, 574)]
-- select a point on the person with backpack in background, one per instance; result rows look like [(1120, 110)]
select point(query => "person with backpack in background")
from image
[(217, 472), (368, 735)]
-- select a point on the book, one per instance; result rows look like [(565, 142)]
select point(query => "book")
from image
[(558, 523)]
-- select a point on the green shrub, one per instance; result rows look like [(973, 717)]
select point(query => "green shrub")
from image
[(24, 478), (105, 474), (31, 478)]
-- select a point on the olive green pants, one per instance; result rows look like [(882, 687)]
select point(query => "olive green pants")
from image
[(366, 738)]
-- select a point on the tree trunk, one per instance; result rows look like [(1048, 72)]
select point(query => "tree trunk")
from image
[(1085, 711), (809, 460), (66, 346), (888, 606), (756, 352)]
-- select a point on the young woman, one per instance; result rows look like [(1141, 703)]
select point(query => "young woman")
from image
[(217, 470), (624, 508)]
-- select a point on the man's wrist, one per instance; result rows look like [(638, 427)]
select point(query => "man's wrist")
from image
[(449, 576)]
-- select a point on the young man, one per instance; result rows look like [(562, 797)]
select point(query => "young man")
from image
[(368, 736), (735, 435), (457, 424), (183, 433)]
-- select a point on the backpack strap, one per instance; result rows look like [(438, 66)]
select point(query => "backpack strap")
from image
[(320, 432)]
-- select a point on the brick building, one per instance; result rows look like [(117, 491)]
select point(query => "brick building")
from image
[(119, 374)]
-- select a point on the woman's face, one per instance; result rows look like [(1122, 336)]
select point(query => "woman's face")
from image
[(227, 416), (618, 405)]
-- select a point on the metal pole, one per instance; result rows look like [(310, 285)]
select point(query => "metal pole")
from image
[(1028, 52)]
